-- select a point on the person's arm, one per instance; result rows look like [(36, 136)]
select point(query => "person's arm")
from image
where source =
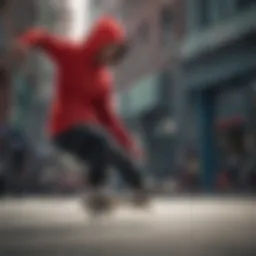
[(54, 46), (36, 38), (108, 117)]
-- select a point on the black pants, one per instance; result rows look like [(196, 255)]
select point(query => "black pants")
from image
[(92, 145)]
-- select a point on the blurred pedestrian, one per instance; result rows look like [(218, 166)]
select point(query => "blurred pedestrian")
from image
[(4, 102), (15, 161), (83, 120), (190, 174)]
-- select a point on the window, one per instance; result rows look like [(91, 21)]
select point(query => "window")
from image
[(97, 3), (3, 37), (1, 32), (24, 14), (2, 4), (204, 13), (242, 4), (143, 31), (166, 20), (191, 16), (224, 9), (128, 7), (166, 87)]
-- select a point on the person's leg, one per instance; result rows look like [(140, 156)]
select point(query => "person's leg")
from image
[(127, 167), (103, 153), (132, 175), (89, 146), (91, 143), (97, 156)]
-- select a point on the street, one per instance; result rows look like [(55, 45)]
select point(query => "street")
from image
[(178, 226)]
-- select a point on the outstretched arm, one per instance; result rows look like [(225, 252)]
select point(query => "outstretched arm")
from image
[(36, 38), (15, 56), (52, 45)]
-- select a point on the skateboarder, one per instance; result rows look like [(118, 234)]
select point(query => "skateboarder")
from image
[(83, 119)]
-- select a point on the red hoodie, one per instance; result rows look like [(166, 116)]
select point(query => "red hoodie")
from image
[(84, 89)]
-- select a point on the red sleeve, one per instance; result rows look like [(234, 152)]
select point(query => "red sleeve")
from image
[(108, 117), (54, 46)]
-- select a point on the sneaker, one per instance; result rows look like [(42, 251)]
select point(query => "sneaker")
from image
[(141, 198), (99, 202)]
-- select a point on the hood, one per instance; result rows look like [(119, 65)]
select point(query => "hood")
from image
[(107, 30)]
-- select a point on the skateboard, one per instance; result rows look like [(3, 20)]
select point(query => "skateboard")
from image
[(107, 204)]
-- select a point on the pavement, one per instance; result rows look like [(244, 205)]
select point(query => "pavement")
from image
[(176, 226)]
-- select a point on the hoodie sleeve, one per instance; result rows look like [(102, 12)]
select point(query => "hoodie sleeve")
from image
[(54, 46), (108, 117)]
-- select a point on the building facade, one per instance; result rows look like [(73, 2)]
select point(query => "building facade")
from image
[(145, 79), (218, 75), (33, 85), (15, 18)]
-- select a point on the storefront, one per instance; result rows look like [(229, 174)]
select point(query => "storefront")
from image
[(220, 87)]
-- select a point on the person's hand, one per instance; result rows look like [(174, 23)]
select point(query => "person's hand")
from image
[(138, 153), (17, 55)]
